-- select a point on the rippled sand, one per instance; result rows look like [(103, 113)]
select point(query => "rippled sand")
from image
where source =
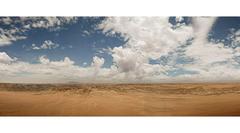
[(120, 99)]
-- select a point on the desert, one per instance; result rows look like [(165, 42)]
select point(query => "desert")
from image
[(201, 99)]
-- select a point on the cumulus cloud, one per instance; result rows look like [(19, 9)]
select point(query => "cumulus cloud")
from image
[(86, 33), (234, 38), (4, 58), (202, 27), (201, 49), (47, 44), (9, 36), (62, 63), (179, 19), (151, 38), (184, 48), (148, 35), (11, 33), (52, 23), (46, 71), (212, 60), (47, 22), (148, 38), (50, 71), (97, 63)]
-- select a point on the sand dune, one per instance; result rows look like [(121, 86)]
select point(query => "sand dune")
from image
[(119, 99)]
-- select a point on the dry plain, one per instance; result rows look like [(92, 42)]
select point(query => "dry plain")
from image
[(200, 99)]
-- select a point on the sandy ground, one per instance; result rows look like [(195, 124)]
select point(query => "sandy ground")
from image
[(120, 100)]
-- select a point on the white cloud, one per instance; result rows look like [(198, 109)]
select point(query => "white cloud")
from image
[(148, 35), (4, 58), (44, 60), (179, 19), (9, 36), (12, 33), (207, 54), (6, 20), (48, 71), (62, 63), (48, 22), (47, 44), (149, 38), (153, 38), (202, 27), (97, 62), (86, 33), (234, 38)]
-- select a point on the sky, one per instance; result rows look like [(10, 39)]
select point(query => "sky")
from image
[(119, 49)]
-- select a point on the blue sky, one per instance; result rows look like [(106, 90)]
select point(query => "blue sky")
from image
[(79, 40), (119, 49)]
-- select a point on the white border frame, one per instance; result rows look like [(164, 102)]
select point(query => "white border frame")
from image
[(119, 8)]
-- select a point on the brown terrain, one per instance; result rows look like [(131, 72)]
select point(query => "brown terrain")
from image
[(119, 99)]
